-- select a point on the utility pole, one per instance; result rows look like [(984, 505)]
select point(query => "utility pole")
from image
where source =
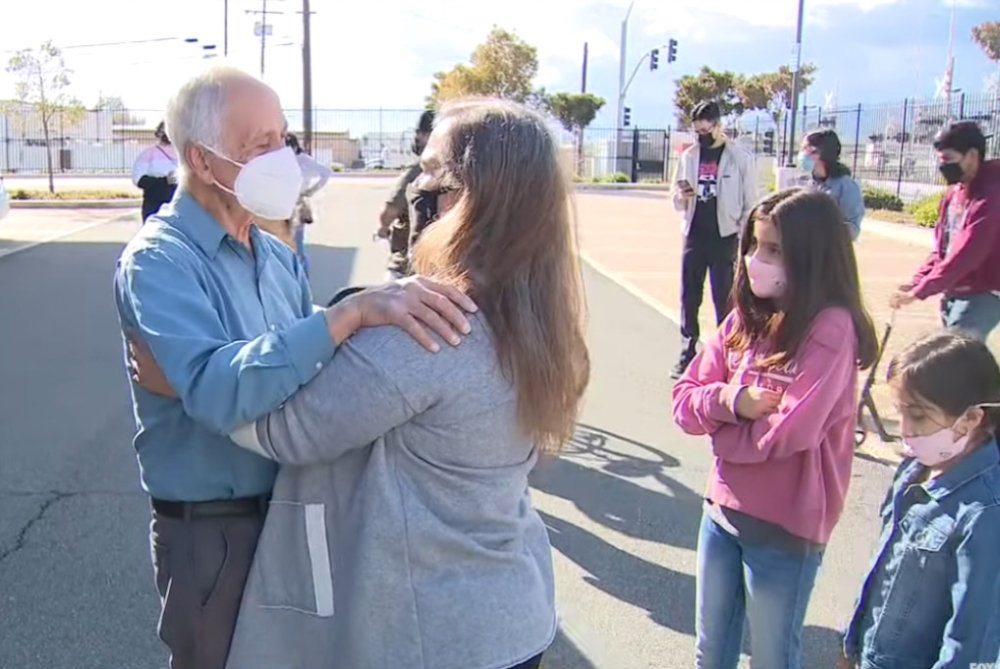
[(619, 118), (583, 82), (796, 80), (225, 28), (263, 34), (263, 12), (307, 105)]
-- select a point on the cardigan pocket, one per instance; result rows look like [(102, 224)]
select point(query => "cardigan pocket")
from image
[(292, 564)]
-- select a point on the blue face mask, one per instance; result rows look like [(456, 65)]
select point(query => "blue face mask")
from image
[(807, 162)]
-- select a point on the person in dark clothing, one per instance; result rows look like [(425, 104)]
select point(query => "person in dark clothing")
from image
[(395, 217), (964, 267), (155, 173), (715, 189)]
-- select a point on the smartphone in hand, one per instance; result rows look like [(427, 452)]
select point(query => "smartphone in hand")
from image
[(685, 187)]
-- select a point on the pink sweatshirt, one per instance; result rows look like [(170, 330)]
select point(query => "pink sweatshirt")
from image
[(791, 468)]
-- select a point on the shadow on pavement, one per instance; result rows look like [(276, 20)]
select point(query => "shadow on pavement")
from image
[(667, 595), (594, 473), (564, 654)]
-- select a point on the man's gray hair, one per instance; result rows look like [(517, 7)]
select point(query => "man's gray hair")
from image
[(195, 114)]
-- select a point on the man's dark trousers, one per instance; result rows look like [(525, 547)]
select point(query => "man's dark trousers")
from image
[(705, 252)]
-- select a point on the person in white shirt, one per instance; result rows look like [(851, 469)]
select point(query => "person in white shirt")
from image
[(155, 172), (314, 177)]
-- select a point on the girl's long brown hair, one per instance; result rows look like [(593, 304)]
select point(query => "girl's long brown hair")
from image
[(509, 241), (822, 272)]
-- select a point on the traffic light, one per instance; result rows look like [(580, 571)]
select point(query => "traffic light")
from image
[(671, 50), (654, 59), (627, 119), (769, 143)]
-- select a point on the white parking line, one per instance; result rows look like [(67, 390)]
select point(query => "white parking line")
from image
[(51, 238)]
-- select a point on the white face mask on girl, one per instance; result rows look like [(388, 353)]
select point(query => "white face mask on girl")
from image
[(267, 186)]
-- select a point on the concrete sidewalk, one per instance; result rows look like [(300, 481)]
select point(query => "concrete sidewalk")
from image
[(637, 243)]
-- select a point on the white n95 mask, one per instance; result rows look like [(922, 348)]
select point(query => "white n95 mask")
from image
[(267, 186)]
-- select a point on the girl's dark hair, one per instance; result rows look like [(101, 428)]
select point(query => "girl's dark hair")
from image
[(292, 141), (822, 272), (827, 143), (161, 132), (951, 371)]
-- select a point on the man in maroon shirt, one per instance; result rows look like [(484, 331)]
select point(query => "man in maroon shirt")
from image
[(964, 267)]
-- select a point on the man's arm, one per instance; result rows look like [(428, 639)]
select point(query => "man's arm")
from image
[(972, 245), (221, 383), (681, 200), (396, 205)]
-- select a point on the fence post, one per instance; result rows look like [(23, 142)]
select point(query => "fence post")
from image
[(784, 138), (902, 147), (756, 135), (961, 107), (666, 155), (635, 155), (857, 140)]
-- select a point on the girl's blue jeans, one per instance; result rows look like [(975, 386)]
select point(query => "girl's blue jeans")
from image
[(767, 586)]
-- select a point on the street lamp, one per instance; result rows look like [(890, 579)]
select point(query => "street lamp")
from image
[(796, 79)]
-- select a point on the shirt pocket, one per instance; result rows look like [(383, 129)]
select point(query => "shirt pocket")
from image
[(926, 559), (292, 565)]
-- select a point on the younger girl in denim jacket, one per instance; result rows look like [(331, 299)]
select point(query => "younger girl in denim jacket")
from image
[(775, 388), (932, 597)]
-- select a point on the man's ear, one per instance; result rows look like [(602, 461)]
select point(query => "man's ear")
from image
[(197, 159)]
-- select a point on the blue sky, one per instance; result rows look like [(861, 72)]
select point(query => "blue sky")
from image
[(381, 53)]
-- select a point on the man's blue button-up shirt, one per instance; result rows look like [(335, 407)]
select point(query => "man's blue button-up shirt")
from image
[(235, 333)]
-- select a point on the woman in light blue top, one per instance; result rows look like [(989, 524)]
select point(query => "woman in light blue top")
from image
[(821, 156)]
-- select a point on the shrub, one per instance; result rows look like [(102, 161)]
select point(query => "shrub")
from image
[(877, 198), (616, 178), (925, 210)]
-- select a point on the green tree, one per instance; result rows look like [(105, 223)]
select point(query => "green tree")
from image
[(504, 66), (708, 84), (987, 36), (120, 114), (42, 80), (575, 111)]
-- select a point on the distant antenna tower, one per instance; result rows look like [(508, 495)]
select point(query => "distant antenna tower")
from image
[(948, 82)]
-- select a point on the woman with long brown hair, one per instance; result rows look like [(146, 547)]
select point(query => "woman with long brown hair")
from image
[(401, 532)]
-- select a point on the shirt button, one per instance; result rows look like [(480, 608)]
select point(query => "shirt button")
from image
[(319, 366), (273, 328)]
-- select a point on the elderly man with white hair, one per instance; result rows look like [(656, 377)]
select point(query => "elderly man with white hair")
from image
[(221, 329)]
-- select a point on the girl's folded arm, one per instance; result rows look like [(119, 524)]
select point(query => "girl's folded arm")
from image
[(826, 367), (702, 399)]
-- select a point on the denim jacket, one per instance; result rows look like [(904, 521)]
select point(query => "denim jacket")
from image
[(931, 599), (847, 194)]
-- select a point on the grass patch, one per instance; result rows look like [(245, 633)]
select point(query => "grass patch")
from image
[(890, 216), (90, 195)]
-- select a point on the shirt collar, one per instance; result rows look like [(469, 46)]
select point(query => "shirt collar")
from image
[(187, 215), (972, 466)]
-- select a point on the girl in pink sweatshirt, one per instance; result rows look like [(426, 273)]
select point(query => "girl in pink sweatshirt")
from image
[(775, 388)]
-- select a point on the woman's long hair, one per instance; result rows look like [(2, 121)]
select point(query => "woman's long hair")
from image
[(509, 241), (822, 272)]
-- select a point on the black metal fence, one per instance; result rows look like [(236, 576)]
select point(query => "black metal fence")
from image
[(886, 145)]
